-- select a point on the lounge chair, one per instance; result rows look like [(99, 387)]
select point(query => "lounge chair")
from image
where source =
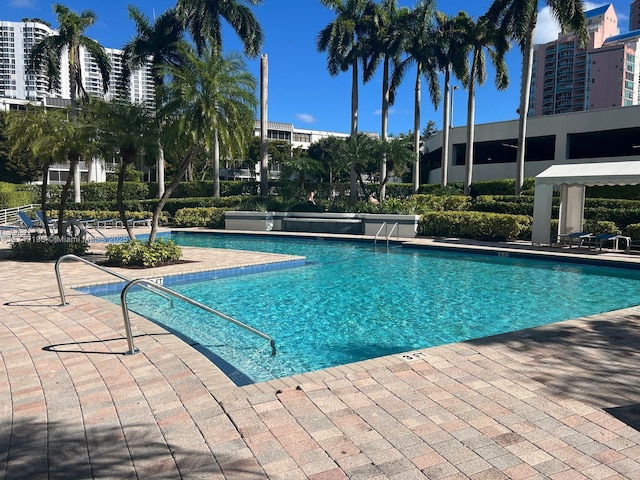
[(578, 237), (53, 223), (14, 232), (139, 222), (602, 239), (27, 222)]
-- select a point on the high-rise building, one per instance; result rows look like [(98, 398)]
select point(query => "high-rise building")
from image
[(16, 41), (568, 77), (634, 15)]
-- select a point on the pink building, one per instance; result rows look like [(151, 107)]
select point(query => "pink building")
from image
[(570, 78)]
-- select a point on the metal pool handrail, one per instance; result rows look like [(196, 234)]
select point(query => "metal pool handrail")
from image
[(375, 240), (154, 287), (71, 256)]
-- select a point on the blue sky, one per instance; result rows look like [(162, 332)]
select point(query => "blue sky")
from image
[(300, 89)]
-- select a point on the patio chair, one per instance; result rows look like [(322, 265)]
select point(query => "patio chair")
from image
[(28, 223), (53, 223), (14, 232), (139, 222), (579, 237), (602, 239)]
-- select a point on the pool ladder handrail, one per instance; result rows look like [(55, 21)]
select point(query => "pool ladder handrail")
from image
[(195, 303), (388, 236), (154, 288), (70, 256)]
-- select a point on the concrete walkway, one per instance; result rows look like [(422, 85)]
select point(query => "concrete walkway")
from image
[(560, 402)]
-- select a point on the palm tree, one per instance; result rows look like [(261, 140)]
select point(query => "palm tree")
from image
[(202, 18), (46, 57), (216, 99), (452, 55), (386, 32), (517, 19), (156, 45), (360, 152), (33, 133), (341, 40), (419, 49), (398, 152), (46, 54), (127, 130), (482, 36)]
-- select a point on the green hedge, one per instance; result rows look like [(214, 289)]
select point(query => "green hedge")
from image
[(98, 192), (210, 217), (633, 231), (475, 225), (14, 195), (436, 203), (46, 250)]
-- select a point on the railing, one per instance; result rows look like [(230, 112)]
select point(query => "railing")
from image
[(388, 235), (10, 215), (375, 240), (70, 256), (154, 286)]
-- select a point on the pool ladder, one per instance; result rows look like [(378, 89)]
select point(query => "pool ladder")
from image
[(388, 234), (153, 287)]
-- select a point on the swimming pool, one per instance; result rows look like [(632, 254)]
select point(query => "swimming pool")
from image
[(352, 302)]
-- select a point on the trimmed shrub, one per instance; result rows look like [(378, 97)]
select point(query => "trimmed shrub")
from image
[(600, 226), (210, 217), (511, 204), (476, 225), (135, 253), (46, 250), (13, 195), (98, 192), (633, 230), (438, 203)]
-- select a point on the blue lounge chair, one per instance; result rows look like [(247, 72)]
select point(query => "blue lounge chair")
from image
[(52, 222), (13, 231), (27, 222)]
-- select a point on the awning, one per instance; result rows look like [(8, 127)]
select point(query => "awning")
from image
[(589, 174)]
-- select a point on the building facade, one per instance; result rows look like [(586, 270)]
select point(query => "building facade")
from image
[(16, 41), (568, 77), (605, 135)]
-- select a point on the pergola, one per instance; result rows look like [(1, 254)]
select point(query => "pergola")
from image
[(571, 180)]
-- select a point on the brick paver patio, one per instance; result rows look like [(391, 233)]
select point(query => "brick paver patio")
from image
[(559, 402)]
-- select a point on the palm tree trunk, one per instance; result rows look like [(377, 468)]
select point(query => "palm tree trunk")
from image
[(216, 165), (64, 195), (527, 68), (177, 178), (383, 130), (119, 194), (43, 197), (160, 170), (471, 108), (444, 160), (353, 177), (416, 134), (77, 197)]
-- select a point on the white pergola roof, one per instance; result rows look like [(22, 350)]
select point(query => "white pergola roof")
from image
[(610, 173), (571, 180)]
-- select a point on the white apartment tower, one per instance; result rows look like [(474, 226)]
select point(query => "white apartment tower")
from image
[(16, 41)]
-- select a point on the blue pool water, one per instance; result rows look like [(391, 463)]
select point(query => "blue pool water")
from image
[(353, 302)]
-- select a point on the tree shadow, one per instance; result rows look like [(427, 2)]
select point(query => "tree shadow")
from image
[(34, 449), (592, 360), (60, 347)]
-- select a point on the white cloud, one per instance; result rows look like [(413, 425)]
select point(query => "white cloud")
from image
[(21, 4), (305, 118), (379, 111), (547, 28)]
